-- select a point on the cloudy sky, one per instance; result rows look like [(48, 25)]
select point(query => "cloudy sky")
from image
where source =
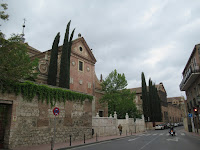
[(133, 36)]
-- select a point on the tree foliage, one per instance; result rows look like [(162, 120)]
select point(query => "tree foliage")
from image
[(52, 74), (15, 63), (145, 98), (3, 14), (64, 77), (117, 97), (151, 101)]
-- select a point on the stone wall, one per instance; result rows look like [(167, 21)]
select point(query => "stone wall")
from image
[(32, 123), (105, 126)]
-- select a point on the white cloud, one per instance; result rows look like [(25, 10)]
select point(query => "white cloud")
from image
[(132, 36)]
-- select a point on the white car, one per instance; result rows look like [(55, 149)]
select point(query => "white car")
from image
[(159, 127), (175, 124)]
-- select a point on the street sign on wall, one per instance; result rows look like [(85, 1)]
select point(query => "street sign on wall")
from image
[(190, 115), (56, 111)]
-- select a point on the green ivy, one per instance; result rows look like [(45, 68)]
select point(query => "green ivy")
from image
[(52, 95)]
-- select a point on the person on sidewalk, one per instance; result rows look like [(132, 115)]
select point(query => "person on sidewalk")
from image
[(120, 129)]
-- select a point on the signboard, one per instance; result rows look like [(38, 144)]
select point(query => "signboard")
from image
[(56, 111), (190, 115)]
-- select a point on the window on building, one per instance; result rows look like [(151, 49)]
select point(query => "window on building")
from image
[(81, 49), (80, 65), (140, 97), (100, 113)]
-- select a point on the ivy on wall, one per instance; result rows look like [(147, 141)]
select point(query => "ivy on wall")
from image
[(52, 95)]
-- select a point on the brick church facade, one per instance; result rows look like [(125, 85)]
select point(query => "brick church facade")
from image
[(31, 123)]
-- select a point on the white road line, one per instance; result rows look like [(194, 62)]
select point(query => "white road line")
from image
[(148, 143), (167, 134), (176, 133), (182, 133), (147, 134), (141, 135), (133, 139), (161, 133), (91, 145), (155, 134)]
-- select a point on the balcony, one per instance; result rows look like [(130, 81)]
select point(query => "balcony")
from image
[(189, 78)]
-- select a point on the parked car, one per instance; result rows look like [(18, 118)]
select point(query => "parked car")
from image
[(165, 126), (181, 124), (159, 127), (175, 124)]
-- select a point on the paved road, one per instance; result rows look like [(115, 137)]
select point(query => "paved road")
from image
[(151, 140)]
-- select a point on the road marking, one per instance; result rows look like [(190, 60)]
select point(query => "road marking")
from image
[(167, 134), (155, 134), (176, 133), (174, 139), (147, 134), (141, 135), (161, 133), (148, 143), (90, 145), (182, 133), (133, 139)]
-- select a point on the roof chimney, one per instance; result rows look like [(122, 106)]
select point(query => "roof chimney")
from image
[(101, 78), (79, 35)]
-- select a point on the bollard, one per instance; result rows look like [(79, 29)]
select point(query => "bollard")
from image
[(96, 137), (51, 143), (70, 140), (84, 138)]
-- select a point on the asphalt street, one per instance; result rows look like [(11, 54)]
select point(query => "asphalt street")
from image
[(151, 140)]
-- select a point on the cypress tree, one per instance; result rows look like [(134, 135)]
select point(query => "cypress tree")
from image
[(68, 62), (159, 112), (65, 59), (150, 95), (145, 101), (52, 73)]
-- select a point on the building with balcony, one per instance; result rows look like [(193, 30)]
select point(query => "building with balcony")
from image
[(191, 85)]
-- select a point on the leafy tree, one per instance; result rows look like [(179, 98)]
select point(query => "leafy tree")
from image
[(119, 99), (64, 77), (4, 17), (15, 63), (53, 62)]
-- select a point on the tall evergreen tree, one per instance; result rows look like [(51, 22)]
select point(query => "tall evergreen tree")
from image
[(145, 103), (53, 62), (65, 59), (150, 95), (158, 105)]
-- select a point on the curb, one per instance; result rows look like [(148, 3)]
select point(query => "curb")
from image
[(94, 142)]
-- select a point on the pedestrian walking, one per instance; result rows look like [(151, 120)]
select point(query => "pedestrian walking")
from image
[(120, 129)]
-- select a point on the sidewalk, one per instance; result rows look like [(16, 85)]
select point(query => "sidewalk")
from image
[(66, 145)]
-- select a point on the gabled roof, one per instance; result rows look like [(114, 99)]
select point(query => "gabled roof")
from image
[(86, 46), (41, 54)]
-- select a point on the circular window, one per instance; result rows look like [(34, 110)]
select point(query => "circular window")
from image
[(81, 49)]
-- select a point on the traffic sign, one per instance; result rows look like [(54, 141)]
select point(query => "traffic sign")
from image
[(56, 111), (190, 115)]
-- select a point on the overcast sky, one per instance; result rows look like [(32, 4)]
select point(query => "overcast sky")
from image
[(133, 36)]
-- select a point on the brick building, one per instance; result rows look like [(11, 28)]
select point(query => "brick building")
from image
[(191, 85), (170, 113), (31, 123)]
